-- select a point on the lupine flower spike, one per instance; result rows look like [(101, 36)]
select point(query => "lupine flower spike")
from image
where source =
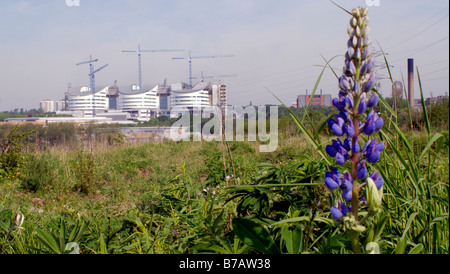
[(355, 103)]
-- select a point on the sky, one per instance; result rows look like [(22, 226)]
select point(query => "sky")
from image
[(277, 45)]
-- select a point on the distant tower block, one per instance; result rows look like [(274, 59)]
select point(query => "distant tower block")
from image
[(397, 90), (411, 82)]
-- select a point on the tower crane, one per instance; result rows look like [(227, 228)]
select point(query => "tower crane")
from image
[(92, 71), (91, 74), (190, 57), (203, 77), (139, 51)]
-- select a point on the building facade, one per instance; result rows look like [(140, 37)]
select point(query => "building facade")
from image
[(142, 105), (318, 100), (182, 96), (88, 102), (47, 105)]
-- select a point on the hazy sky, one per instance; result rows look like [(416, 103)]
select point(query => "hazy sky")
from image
[(277, 44)]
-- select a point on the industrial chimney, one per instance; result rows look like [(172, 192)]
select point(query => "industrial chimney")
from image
[(411, 82)]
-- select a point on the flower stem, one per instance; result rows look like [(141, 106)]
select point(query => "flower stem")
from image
[(354, 235)]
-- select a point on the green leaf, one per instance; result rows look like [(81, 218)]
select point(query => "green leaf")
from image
[(293, 238), (425, 115), (304, 218), (433, 139), (50, 241), (254, 235), (416, 250), (401, 245)]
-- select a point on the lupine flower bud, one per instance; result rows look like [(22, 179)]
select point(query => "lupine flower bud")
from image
[(370, 83), (367, 52), (362, 107), (355, 146), (343, 83), (357, 55), (358, 32), (373, 100), (365, 11), (355, 41), (353, 22), (366, 20), (375, 176), (369, 126), (362, 170), (373, 196), (366, 41), (346, 187), (350, 129), (356, 13), (347, 144)]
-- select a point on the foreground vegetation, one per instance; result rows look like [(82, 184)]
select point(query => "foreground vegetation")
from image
[(181, 197)]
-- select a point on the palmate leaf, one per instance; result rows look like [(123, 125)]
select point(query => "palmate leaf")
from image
[(254, 235)]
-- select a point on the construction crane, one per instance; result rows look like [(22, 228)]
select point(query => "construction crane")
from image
[(91, 74), (92, 71), (139, 51), (198, 57), (203, 77)]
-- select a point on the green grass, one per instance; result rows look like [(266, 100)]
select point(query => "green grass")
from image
[(172, 197)]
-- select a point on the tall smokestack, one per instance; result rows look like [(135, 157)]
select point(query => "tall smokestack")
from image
[(411, 82)]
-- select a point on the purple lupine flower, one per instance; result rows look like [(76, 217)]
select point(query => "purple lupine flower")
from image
[(362, 170), (355, 146), (340, 211), (337, 126), (332, 178), (373, 151), (377, 179), (370, 83), (341, 156), (362, 107), (350, 129), (373, 100), (346, 186), (373, 123), (344, 83)]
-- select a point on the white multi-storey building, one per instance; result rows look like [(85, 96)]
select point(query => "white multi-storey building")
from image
[(141, 104), (88, 102), (47, 105), (181, 96)]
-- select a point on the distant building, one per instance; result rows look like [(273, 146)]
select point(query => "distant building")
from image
[(218, 96), (60, 105), (321, 100), (397, 90), (89, 103), (142, 104), (47, 105), (164, 94), (182, 95), (113, 95)]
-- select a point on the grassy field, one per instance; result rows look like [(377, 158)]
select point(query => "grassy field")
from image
[(181, 197)]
